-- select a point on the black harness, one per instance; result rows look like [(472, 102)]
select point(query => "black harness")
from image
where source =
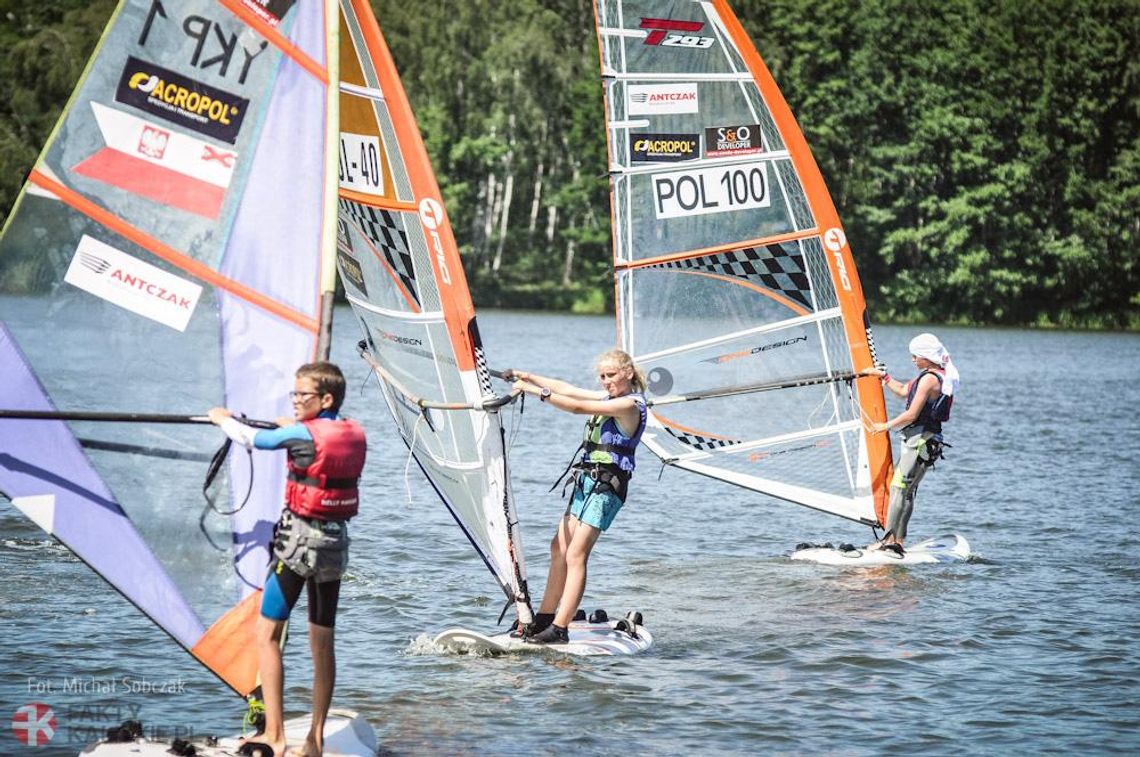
[(608, 476)]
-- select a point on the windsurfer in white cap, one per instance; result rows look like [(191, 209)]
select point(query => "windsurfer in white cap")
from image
[(928, 400)]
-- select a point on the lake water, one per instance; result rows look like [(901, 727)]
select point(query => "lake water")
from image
[(1032, 646)]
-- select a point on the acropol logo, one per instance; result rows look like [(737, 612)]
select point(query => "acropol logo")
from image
[(664, 148), (34, 724), (181, 100)]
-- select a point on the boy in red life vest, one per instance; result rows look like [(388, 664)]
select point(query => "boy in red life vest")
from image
[(310, 543), (928, 400)]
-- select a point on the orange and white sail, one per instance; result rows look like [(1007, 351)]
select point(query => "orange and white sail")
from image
[(735, 284), (404, 278)]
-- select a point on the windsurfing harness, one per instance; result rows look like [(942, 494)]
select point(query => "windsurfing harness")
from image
[(327, 488), (310, 547), (933, 413), (607, 453)]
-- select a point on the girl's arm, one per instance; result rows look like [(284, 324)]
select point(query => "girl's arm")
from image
[(624, 410), (897, 387), (557, 386)]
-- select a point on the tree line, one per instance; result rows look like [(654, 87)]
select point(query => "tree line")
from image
[(984, 155)]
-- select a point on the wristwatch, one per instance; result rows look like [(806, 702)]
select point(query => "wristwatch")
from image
[(545, 394)]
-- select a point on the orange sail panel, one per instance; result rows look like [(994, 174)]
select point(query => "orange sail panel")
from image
[(228, 647)]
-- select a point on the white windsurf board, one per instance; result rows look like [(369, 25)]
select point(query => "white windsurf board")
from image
[(347, 734), (940, 549), (586, 639)]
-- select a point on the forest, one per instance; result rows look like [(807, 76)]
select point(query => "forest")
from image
[(984, 155)]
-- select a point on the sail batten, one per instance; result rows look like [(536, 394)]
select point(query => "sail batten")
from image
[(280, 41), (697, 162), (371, 93), (733, 276), (679, 76), (703, 251), (762, 329)]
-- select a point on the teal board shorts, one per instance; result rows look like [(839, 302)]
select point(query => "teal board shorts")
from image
[(594, 508)]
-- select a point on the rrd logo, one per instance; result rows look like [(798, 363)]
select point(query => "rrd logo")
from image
[(431, 216)]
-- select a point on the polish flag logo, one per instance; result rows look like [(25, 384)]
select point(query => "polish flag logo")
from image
[(170, 168), (153, 142), (34, 724)]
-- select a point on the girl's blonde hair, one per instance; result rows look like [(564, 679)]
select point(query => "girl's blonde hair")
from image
[(621, 359)]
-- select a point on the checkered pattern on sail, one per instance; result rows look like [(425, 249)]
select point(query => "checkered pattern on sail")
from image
[(696, 441), (482, 370), (776, 266), (380, 227)]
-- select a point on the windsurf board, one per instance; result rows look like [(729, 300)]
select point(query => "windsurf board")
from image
[(940, 549), (347, 734), (586, 639)]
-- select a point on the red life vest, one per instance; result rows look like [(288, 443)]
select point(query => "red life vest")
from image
[(327, 489)]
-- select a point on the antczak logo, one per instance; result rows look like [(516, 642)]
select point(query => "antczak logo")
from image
[(34, 724)]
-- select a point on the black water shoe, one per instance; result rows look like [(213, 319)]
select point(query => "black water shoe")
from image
[(552, 634), (540, 622)]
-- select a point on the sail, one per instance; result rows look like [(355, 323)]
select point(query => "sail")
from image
[(404, 279), (171, 251), (732, 268)]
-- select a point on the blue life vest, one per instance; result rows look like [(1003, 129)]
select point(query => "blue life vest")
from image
[(606, 444)]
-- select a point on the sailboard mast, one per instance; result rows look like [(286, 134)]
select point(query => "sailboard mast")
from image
[(732, 268), (404, 279), (180, 225)]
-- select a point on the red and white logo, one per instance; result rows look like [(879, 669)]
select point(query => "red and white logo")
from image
[(34, 724), (835, 240), (153, 142), (660, 99), (168, 167), (668, 32), (132, 284), (224, 157)]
